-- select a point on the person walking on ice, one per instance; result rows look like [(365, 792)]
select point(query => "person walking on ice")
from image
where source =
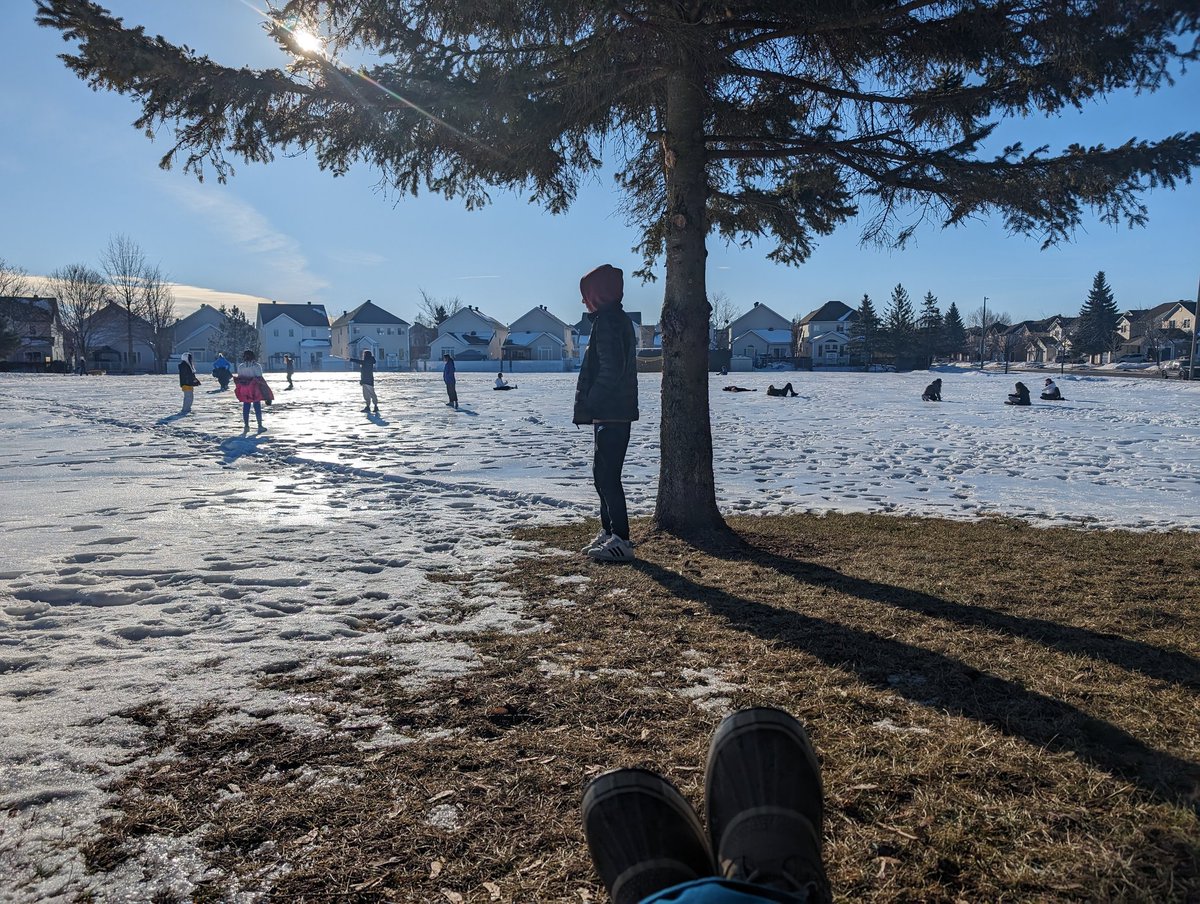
[(448, 376), (251, 389), (188, 381), (366, 379), (606, 398), (290, 365)]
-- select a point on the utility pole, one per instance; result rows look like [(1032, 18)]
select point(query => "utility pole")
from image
[(1195, 316), (982, 331)]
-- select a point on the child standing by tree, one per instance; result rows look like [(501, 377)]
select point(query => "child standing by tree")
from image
[(606, 398)]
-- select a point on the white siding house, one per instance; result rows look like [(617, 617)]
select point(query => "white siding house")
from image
[(759, 317), (299, 330), (471, 335), (536, 322), (371, 327), (768, 343)]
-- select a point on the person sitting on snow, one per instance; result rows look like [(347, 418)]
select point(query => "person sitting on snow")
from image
[(1050, 392), (501, 384), (933, 392), (1020, 397)]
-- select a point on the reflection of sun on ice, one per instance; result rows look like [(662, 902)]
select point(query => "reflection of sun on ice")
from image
[(307, 41)]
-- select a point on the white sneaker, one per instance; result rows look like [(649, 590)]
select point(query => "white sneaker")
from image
[(597, 541), (615, 550)]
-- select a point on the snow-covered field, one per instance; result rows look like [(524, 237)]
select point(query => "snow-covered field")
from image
[(150, 558)]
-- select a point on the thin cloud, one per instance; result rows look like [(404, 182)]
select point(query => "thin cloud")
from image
[(287, 269), (494, 276)]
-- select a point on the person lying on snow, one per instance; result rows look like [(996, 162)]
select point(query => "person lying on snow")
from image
[(785, 392)]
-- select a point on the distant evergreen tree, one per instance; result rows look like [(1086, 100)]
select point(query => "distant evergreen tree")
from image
[(929, 328), (954, 333), (865, 330), (236, 335), (1097, 330), (900, 326)]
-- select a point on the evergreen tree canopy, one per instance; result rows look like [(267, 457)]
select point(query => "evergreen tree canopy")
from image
[(865, 329), (236, 334), (929, 328), (1098, 318), (954, 333), (758, 119), (900, 326)]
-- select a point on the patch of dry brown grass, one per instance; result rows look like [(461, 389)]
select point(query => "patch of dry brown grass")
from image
[(1003, 713)]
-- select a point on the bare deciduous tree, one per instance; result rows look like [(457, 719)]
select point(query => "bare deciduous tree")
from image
[(159, 312), (124, 266), (14, 281), (82, 293), (433, 312), (724, 312)]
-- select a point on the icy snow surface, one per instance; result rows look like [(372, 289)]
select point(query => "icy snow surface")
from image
[(146, 557)]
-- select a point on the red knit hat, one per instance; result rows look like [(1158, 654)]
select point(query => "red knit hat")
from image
[(603, 286)]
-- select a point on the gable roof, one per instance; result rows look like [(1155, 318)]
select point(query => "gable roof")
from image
[(369, 312), (830, 311), (304, 314), (770, 336), (541, 309), (491, 321), (759, 306), (528, 338)]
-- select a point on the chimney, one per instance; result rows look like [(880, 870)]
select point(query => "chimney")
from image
[(309, 303)]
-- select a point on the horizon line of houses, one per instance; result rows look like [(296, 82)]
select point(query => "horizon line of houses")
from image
[(314, 340)]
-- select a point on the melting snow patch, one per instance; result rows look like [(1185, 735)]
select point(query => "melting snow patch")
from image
[(443, 816)]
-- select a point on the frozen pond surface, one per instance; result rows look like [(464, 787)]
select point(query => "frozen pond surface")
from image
[(150, 558)]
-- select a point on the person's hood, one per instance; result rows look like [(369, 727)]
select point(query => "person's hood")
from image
[(602, 287)]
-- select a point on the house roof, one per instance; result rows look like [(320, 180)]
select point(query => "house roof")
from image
[(475, 338), (831, 334), (492, 321), (584, 326), (542, 309), (830, 311), (112, 309), (528, 338), (304, 314), (44, 305), (770, 336), (369, 312), (759, 306)]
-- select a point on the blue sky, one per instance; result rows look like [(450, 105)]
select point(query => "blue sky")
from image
[(74, 172)]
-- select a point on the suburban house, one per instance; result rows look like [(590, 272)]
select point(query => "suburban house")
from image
[(1160, 333), (196, 335), (371, 327), (36, 321), (420, 338), (111, 329), (470, 335), (299, 330), (539, 336), (761, 333), (583, 330), (824, 334), (759, 317)]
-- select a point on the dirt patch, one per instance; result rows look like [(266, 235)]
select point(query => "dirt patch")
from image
[(1002, 712)]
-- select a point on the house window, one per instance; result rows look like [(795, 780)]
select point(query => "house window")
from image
[(447, 351), (379, 331), (841, 328), (389, 331), (291, 334), (1171, 324), (277, 334)]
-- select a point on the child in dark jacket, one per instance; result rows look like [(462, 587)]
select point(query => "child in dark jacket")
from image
[(188, 381), (933, 392), (606, 398), (1020, 397), (448, 377)]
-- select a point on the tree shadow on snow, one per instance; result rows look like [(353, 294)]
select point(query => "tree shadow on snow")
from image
[(956, 687)]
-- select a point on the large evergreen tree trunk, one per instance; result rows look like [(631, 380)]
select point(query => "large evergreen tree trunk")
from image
[(687, 499)]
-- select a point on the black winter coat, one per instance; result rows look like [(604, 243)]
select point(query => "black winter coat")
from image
[(187, 376), (366, 376), (607, 386)]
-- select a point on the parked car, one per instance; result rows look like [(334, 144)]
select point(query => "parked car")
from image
[(1132, 359)]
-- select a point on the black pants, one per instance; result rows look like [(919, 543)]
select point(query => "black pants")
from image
[(611, 442), (452, 393)]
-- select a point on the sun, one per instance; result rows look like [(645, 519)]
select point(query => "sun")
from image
[(307, 41)]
